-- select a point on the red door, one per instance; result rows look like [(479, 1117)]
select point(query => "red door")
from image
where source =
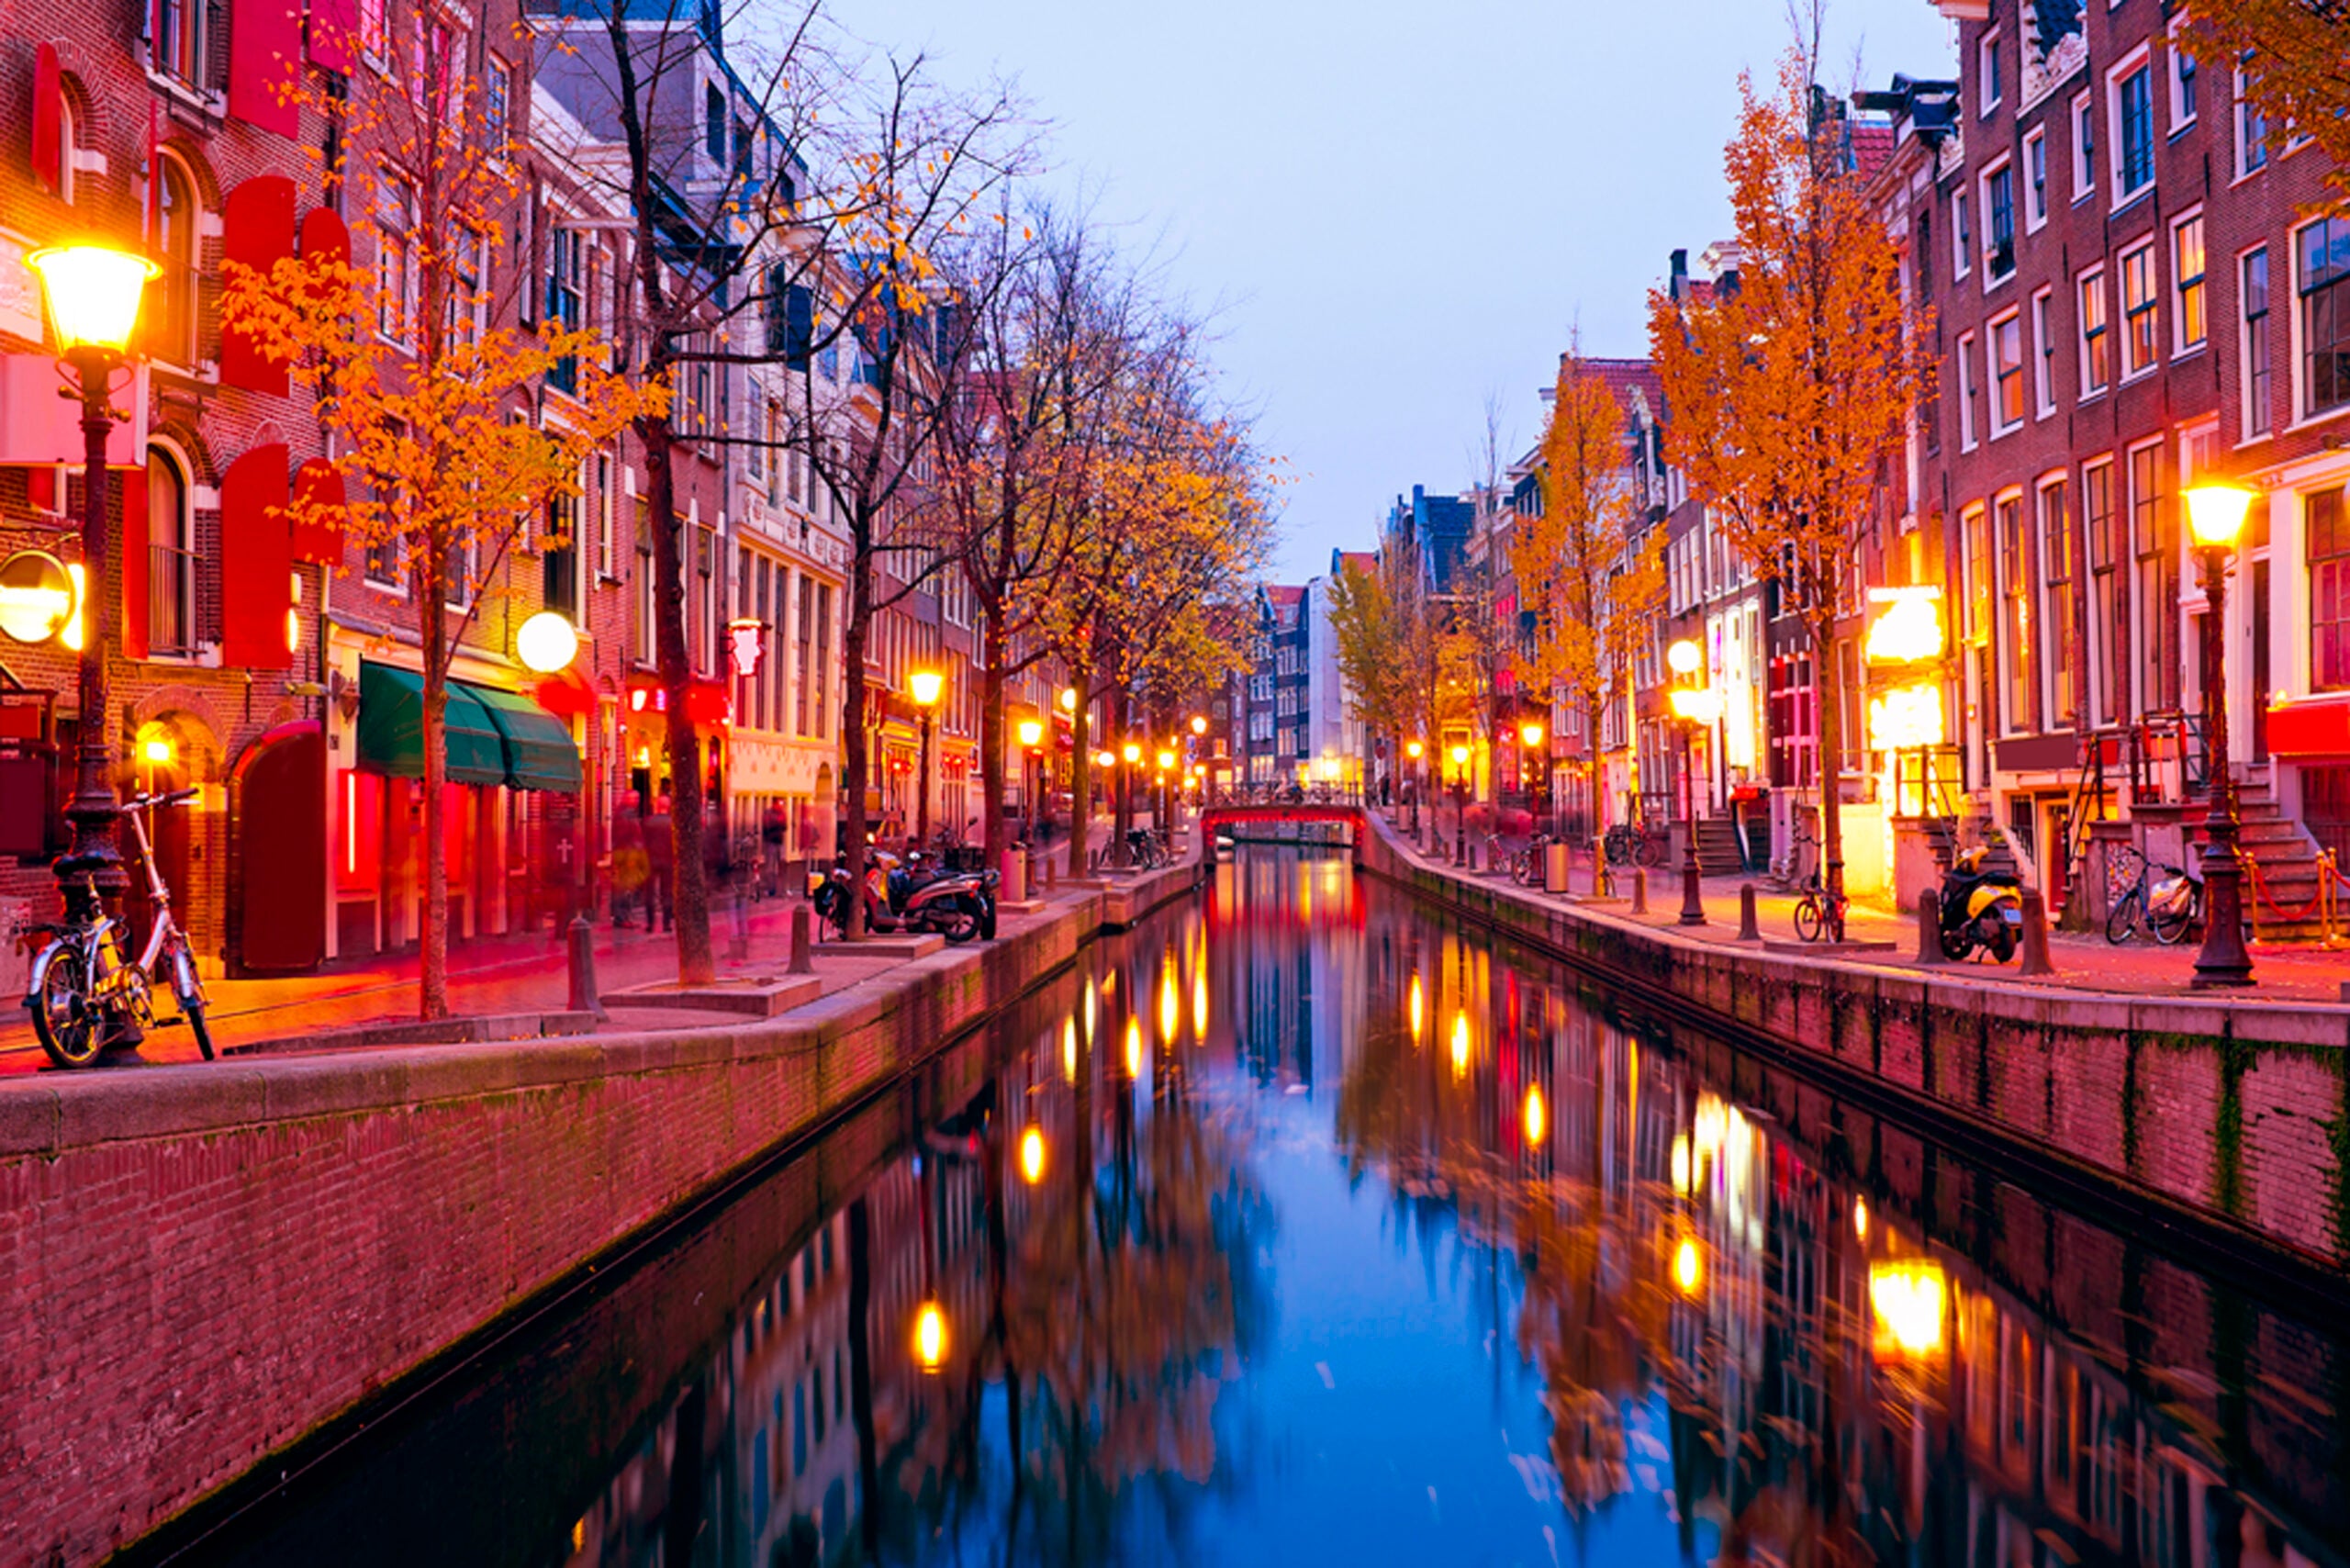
[(277, 805)]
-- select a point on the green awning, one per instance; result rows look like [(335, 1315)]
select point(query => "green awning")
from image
[(539, 753), (391, 728)]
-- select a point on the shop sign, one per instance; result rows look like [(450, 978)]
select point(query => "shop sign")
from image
[(37, 596)]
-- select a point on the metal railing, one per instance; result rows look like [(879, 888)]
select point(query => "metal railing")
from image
[(1290, 794), (170, 599)]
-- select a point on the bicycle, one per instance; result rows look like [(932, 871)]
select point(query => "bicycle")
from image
[(1796, 866), (1819, 913), (83, 997), (1526, 866), (2170, 906), (1637, 842)]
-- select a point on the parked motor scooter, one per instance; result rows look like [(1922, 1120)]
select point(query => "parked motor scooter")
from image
[(958, 907), (1981, 909)]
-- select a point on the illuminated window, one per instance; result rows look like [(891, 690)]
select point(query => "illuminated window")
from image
[(2322, 254), (2059, 571), (2006, 372), (2139, 348), (2329, 558), (2186, 282), (2257, 380), (2097, 341), (171, 311), (2017, 626)]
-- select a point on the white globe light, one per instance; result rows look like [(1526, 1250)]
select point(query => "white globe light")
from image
[(546, 641)]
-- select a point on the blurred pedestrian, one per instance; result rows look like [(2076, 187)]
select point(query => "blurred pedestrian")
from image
[(661, 857), (630, 868)]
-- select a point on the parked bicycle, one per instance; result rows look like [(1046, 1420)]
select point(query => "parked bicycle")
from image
[(1643, 842), (2169, 905), (1820, 914), (1526, 866), (83, 996), (1146, 849)]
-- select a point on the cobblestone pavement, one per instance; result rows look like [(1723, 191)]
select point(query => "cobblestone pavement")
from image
[(2281, 972)]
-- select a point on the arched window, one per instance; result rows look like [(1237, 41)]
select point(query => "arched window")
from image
[(171, 561), (172, 324)]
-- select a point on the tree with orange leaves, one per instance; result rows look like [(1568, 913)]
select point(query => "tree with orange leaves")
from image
[(2296, 56), (426, 382), (1785, 392), (1590, 572)]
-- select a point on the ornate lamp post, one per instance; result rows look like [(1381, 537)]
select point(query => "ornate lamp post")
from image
[(1031, 750), (546, 644), (1693, 705), (1529, 740), (93, 294), (1163, 813), (1461, 805), (1415, 751), (927, 685), (2215, 516)]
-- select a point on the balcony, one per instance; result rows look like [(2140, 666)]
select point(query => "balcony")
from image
[(170, 599)]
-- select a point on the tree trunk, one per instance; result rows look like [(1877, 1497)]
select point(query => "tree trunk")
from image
[(1829, 684), (1080, 776), (1121, 812), (855, 762), (690, 898), (1595, 772), (432, 997), (991, 760)]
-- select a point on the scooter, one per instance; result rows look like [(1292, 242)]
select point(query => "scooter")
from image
[(1981, 911), (958, 907)]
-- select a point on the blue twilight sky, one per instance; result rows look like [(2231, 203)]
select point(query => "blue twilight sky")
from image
[(1397, 207)]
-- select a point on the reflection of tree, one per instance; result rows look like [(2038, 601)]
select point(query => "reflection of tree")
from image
[(1582, 1338)]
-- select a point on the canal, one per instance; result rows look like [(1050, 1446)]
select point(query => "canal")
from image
[(1301, 1226)]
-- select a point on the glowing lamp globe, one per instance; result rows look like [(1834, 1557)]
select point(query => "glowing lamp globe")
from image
[(1199, 723), (2215, 514), (1166, 760), (1133, 753), (1531, 732), (1413, 750), (1683, 657), (1069, 698), (546, 643), (1461, 756), (1702, 705), (1032, 734), (1106, 758), (1031, 1154), (930, 1336), (926, 685), (93, 293)]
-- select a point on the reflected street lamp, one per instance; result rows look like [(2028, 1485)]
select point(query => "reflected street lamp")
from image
[(1461, 805), (2215, 516), (93, 294), (926, 687)]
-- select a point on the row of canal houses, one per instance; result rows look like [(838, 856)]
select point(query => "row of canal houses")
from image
[(2133, 288), (185, 129)]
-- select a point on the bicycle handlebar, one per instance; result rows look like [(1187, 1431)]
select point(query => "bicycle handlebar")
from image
[(170, 798)]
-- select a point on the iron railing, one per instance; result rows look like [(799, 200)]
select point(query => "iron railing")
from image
[(170, 599)]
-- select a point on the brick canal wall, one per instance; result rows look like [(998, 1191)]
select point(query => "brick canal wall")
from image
[(201, 1265), (2229, 1117)]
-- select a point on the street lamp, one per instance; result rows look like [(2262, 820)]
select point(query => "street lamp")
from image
[(926, 687), (2215, 516), (1461, 805), (93, 294), (1415, 750), (1529, 737), (546, 644), (1163, 813), (1032, 742), (1693, 705)]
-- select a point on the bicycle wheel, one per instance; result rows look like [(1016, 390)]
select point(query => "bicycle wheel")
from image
[(2171, 925), (61, 1018), (194, 1014), (1807, 919), (2122, 923), (1651, 851)]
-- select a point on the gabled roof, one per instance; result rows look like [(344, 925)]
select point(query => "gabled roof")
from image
[(1280, 593), (1364, 561)]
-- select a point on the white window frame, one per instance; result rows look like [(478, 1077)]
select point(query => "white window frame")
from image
[(2093, 277), (2181, 117), (1991, 82), (1962, 235), (1992, 276), (2240, 128), (1992, 412), (2304, 415), (2179, 345), (2121, 259), (1966, 442), (2140, 58), (2248, 428), (2036, 204), (2084, 146), (2043, 353)]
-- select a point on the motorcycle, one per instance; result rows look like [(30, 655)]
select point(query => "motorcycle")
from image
[(1981, 911), (956, 905)]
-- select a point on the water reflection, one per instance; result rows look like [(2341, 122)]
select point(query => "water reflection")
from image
[(1299, 1226)]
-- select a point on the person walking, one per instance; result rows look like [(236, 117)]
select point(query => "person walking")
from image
[(661, 861), (772, 826)]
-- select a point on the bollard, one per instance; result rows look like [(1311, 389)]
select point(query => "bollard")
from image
[(1051, 867), (1749, 930), (584, 996), (2035, 936), (1011, 887), (1929, 929), (738, 951), (1639, 890), (803, 954)]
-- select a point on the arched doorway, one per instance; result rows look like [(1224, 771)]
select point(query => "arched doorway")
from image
[(161, 760), (277, 829)]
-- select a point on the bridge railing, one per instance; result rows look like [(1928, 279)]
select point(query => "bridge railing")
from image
[(1282, 795)]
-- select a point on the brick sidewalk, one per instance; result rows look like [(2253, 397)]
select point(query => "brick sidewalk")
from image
[(2282, 971)]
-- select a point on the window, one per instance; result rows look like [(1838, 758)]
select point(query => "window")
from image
[(2084, 147), (2329, 556), (2158, 586), (2057, 570), (2182, 83), (2018, 630), (1987, 71), (2252, 131), (1999, 224), (714, 123), (1974, 537), (2131, 87), (600, 471), (559, 556), (496, 95), (171, 334), (393, 270), (1924, 253), (2323, 258), (183, 27), (2097, 345), (2256, 384), (2035, 179), (2044, 354), (2138, 348), (171, 563), (566, 293), (2006, 372), (2186, 283), (467, 312), (1962, 236), (2107, 607)]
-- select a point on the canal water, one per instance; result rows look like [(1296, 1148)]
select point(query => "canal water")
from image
[(1301, 1226)]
